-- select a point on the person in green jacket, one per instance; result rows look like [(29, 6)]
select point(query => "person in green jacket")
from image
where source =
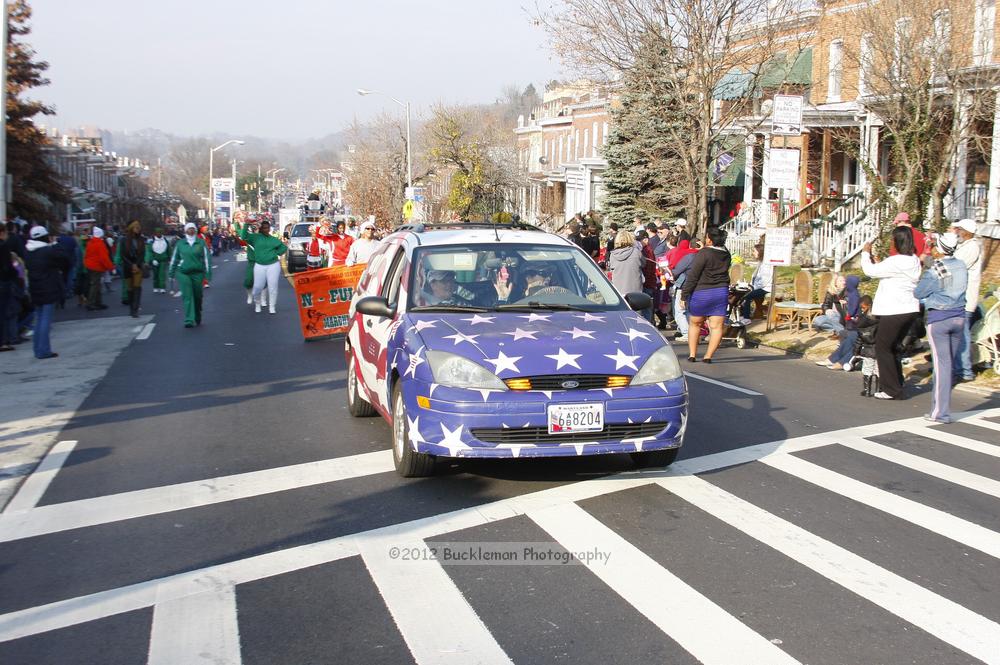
[(158, 256), (192, 266), (267, 265), (248, 275)]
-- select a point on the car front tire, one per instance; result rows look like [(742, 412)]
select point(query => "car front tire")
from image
[(408, 462), (654, 458), (356, 405)]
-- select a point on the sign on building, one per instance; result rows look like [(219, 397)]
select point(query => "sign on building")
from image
[(778, 244), (783, 168), (786, 115)]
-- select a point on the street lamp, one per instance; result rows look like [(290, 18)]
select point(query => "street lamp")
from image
[(211, 174), (405, 105)]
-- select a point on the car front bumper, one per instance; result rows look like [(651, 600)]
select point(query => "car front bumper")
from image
[(456, 422)]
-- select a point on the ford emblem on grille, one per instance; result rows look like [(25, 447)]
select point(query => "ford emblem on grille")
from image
[(569, 385)]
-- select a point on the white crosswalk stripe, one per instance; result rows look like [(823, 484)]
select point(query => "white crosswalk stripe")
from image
[(439, 624)]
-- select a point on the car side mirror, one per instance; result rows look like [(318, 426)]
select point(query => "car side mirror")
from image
[(638, 301), (376, 306)]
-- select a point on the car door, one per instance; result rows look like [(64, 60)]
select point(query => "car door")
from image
[(375, 331)]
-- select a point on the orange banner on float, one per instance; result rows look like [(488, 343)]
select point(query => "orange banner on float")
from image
[(324, 298)]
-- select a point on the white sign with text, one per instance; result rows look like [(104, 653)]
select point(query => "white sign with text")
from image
[(778, 245)]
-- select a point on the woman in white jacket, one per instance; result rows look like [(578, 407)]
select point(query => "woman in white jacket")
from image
[(895, 306)]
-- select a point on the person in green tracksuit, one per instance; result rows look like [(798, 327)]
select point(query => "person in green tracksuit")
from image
[(191, 265), (248, 276), (158, 256), (267, 265)]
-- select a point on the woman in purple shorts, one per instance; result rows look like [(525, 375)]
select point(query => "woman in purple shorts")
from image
[(706, 293)]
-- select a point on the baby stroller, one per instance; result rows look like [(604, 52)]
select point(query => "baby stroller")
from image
[(734, 330), (986, 337)]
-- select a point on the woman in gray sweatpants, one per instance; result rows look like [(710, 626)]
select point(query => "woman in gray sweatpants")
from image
[(941, 290)]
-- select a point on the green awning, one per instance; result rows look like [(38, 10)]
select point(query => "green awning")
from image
[(781, 69), (733, 85)]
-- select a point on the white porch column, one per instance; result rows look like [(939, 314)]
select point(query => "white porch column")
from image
[(961, 163), (993, 201), (765, 171), (748, 170)]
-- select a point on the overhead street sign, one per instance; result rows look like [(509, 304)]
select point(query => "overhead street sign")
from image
[(786, 115)]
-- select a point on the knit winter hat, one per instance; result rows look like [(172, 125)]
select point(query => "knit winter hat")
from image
[(190, 225), (947, 243), (98, 232)]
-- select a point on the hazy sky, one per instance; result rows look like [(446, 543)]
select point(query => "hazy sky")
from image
[(276, 68)]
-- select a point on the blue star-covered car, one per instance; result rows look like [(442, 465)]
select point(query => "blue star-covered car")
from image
[(506, 342)]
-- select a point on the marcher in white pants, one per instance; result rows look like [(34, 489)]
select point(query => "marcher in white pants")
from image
[(266, 277), (267, 267)]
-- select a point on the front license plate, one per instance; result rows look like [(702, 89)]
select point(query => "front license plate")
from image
[(570, 418)]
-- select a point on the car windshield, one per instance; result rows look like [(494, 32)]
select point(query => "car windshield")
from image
[(509, 276), (300, 230)]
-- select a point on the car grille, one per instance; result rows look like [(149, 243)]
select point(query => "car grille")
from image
[(541, 436), (555, 382)]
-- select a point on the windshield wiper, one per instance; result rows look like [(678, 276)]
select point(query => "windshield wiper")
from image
[(541, 305), (448, 308)]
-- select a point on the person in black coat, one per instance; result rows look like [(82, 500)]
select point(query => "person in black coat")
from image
[(47, 265)]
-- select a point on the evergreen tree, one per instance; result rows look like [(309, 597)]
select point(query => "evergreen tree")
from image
[(36, 185), (644, 175)]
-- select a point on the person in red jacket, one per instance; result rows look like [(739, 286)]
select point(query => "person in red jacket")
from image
[(648, 273), (97, 261), (919, 239), (341, 245)]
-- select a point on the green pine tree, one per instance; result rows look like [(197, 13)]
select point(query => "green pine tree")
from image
[(643, 172)]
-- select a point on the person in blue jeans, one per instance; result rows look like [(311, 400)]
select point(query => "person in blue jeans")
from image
[(941, 290), (848, 313), (833, 303), (971, 254), (47, 266)]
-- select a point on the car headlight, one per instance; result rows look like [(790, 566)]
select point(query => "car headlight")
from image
[(458, 372), (661, 366)]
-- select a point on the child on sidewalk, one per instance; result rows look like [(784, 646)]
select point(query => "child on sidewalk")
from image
[(867, 326)]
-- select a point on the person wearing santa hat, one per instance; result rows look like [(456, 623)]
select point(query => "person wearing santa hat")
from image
[(97, 261), (191, 265)]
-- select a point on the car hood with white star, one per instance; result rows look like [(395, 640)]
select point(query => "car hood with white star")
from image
[(541, 343)]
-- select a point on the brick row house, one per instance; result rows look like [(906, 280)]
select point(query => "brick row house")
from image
[(559, 150), (844, 142)]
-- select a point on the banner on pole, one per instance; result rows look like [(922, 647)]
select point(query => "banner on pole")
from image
[(324, 298)]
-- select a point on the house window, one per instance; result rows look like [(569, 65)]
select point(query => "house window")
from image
[(865, 69), (559, 160), (835, 70), (982, 45), (586, 142)]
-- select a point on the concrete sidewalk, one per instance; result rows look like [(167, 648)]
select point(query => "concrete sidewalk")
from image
[(40, 396)]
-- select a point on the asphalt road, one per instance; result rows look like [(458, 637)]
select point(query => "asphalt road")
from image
[(221, 506)]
